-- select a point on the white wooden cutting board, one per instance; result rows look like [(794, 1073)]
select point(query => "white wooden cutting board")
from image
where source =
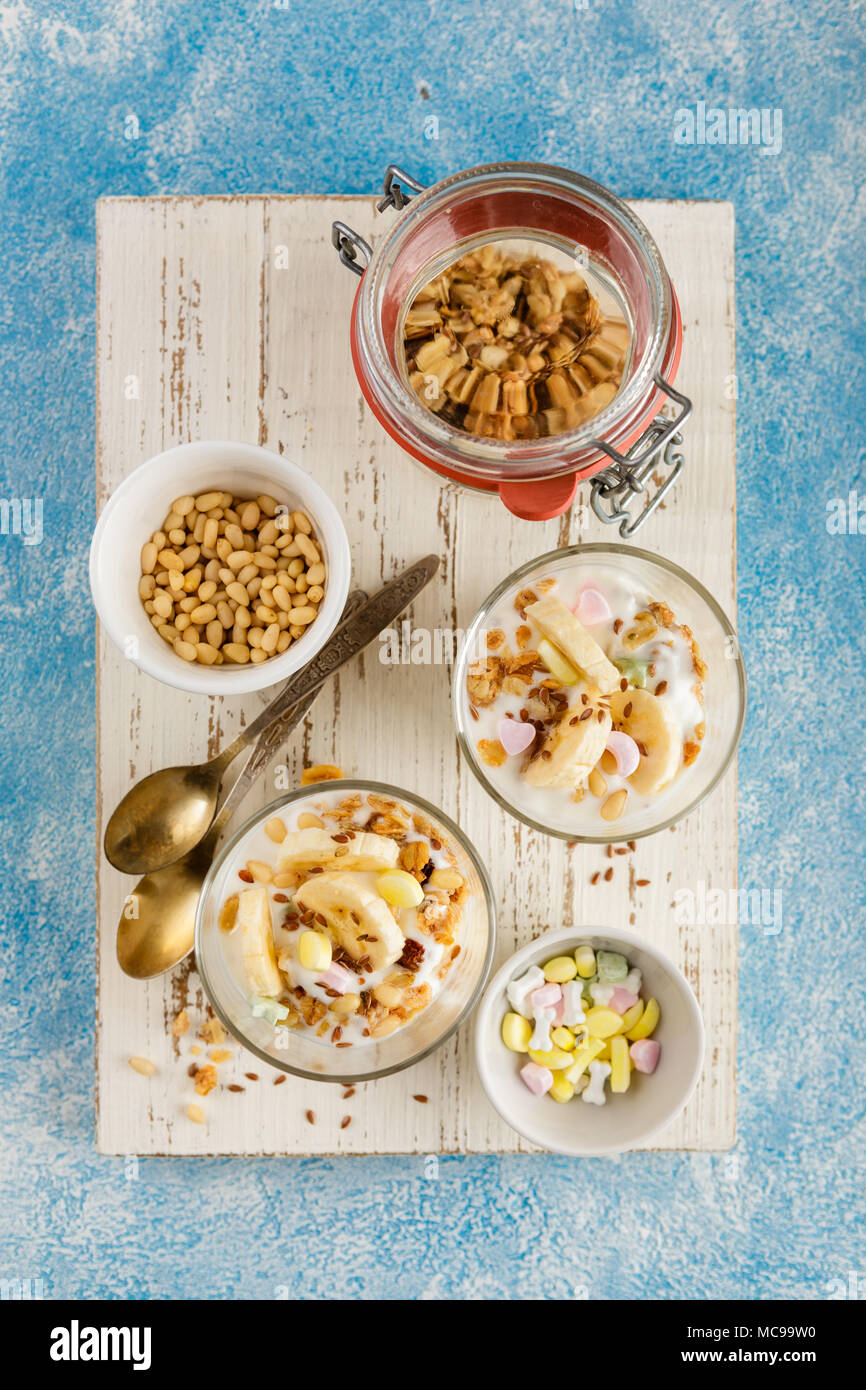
[(227, 318)]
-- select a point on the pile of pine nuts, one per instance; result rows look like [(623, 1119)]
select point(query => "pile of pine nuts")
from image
[(231, 579)]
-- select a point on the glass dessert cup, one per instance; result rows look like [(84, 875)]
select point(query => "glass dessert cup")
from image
[(298, 1051), (565, 215), (724, 695)]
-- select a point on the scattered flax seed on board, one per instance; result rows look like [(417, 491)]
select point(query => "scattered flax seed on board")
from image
[(348, 1093), (642, 882), (345, 1122), (251, 1075), (235, 1087), (609, 851), (632, 844), (422, 1100), (608, 875), (278, 1080), (595, 878), (311, 1117)]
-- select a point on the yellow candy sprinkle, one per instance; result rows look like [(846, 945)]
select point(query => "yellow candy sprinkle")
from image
[(620, 1070), (516, 1032), (631, 1016), (562, 1089), (314, 950), (602, 1023), (556, 663), (564, 1038), (585, 960), (646, 1023), (560, 969), (555, 1058), (399, 888), (581, 1058)]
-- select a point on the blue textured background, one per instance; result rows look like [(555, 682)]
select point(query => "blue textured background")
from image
[(318, 95)]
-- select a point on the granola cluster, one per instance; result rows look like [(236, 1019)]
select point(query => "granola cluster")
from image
[(512, 348)]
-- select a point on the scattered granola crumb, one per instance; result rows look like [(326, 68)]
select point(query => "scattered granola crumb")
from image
[(322, 772), (212, 1031), (205, 1079), (180, 1024), (195, 1050), (221, 1054)]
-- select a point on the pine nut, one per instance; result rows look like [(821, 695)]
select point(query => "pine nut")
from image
[(162, 604), (258, 654), (307, 549), (247, 574), (264, 614), (146, 586), (182, 506), (264, 562), (269, 581), (284, 641), (250, 514), (267, 504), (446, 878), (596, 782), (182, 622), (225, 614), (177, 535), (315, 594), (206, 654), (301, 584), (235, 537), (302, 523), (281, 598), (268, 533), (388, 1025), (614, 806), (255, 635), (207, 590), (388, 995), (275, 829), (302, 616), (346, 1004), (148, 557), (261, 872), (308, 820), (185, 649), (223, 548), (296, 567), (204, 613), (237, 591), (243, 617), (196, 1114), (215, 633), (253, 586), (237, 652), (142, 1065), (270, 639), (316, 574), (208, 500), (297, 632)]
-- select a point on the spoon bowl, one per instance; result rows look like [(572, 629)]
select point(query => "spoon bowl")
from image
[(157, 928), (163, 817)]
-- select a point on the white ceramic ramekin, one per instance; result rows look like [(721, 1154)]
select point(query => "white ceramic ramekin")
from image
[(137, 508), (624, 1121)]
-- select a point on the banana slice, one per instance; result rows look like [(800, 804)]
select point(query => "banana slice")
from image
[(359, 920), (574, 747), (257, 942), (650, 723), (559, 624), (313, 848)]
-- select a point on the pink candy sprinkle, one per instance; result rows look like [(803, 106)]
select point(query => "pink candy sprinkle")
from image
[(538, 1079), (621, 1000), (339, 978), (515, 735), (545, 997), (592, 607), (645, 1054), (625, 751)]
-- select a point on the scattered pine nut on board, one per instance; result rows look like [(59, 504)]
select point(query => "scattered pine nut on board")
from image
[(228, 318)]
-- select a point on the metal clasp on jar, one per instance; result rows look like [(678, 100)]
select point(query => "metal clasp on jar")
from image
[(614, 489), (350, 243)]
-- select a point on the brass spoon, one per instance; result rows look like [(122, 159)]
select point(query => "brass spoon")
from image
[(165, 815), (157, 926)]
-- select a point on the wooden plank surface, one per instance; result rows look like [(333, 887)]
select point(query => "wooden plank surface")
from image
[(228, 319)]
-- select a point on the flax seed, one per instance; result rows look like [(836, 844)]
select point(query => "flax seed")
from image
[(345, 1122), (608, 875), (311, 1117), (596, 876), (661, 687)]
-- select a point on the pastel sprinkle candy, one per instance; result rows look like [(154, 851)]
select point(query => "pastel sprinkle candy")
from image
[(625, 751), (339, 978), (538, 1079), (592, 607), (645, 1054), (621, 1000), (515, 735)]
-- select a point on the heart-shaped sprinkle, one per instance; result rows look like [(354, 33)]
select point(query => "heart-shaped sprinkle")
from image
[(592, 607), (515, 736), (625, 752)]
